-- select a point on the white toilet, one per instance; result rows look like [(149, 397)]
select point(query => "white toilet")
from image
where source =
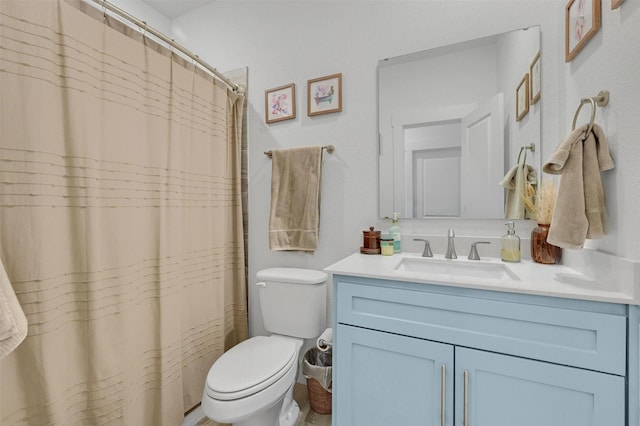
[(252, 383)]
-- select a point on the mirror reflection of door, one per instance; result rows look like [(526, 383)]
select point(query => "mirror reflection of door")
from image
[(452, 161), (482, 160), (416, 88), (432, 169)]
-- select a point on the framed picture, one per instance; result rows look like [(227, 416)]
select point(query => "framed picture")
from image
[(324, 95), (582, 21), (280, 103), (616, 4), (522, 98), (534, 76)]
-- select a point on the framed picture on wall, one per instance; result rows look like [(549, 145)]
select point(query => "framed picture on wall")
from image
[(280, 103), (582, 22), (522, 98), (324, 95), (534, 76), (616, 4)]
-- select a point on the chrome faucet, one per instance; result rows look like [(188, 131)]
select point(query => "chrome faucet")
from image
[(427, 247), (473, 254), (451, 249)]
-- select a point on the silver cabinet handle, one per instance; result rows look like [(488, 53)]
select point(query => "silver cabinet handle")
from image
[(465, 417), (443, 393)]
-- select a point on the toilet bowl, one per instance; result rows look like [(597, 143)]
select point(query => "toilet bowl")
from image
[(252, 383)]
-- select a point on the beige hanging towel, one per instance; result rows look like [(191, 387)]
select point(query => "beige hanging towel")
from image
[(294, 219), (580, 207), (13, 323), (515, 182)]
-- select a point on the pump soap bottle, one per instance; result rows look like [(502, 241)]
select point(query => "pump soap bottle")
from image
[(394, 232), (510, 245)]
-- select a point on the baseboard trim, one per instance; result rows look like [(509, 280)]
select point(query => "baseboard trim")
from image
[(194, 417)]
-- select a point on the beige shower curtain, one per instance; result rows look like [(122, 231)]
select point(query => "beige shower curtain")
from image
[(120, 220)]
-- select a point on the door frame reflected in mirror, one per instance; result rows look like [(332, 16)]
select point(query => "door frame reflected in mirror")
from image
[(405, 103)]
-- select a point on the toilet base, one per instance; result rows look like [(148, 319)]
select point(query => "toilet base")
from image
[(290, 412), (285, 412)]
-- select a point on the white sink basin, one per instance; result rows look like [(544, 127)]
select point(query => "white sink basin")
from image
[(428, 267)]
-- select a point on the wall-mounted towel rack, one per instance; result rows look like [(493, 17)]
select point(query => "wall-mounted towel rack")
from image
[(601, 100), (524, 148), (329, 148)]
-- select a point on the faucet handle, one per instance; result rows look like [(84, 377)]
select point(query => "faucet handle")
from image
[(427, 247), (473, 254)]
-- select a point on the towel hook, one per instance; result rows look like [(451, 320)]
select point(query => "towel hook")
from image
[(531, 147), (601, 100)]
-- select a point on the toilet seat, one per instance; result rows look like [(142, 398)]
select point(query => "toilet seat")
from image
[(250, 367)]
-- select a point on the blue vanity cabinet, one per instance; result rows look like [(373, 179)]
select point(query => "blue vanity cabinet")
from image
[(500, 390), (388, 379), (418, 354)]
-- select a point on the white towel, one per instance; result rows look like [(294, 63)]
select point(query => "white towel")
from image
[(13, 323), (294, 219)]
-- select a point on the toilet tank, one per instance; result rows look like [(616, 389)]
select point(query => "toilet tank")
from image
[(293, 301)]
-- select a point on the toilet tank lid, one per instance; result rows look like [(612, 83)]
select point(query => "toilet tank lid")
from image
[(292, 275)]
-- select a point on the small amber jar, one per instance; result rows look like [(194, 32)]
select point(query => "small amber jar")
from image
[(371, 241), (371, 238), (541, 250)]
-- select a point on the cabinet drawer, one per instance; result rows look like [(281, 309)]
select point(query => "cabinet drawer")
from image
[(563, 335)]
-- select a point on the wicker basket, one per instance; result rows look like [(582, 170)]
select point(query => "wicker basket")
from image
[(319, 398)]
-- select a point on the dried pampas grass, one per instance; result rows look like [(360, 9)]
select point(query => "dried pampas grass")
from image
[(540, 204)]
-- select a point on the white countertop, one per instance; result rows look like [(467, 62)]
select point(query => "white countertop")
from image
[(595, 276)]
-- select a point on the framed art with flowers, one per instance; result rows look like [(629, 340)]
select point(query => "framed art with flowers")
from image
[(582, 22), (280, 103)]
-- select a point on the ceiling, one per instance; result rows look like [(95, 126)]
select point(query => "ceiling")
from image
[(174, 8)]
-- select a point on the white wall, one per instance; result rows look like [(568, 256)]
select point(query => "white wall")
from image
[(284, 42), (143, 12), (611, 62), (292, 41)]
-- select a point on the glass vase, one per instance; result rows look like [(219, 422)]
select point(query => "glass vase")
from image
[(541, 250)]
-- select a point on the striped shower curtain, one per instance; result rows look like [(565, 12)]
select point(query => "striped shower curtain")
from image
[(120, 220)]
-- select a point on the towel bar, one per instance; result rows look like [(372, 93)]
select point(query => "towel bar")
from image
[(329, 148), (601, 100)]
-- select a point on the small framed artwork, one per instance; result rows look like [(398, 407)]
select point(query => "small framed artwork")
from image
[(522, 98), (534, 77), (616, 4), (324, 95), (280, 103), (582, 22)]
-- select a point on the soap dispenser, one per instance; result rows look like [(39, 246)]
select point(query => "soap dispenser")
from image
[(510, 245), (394, 232)]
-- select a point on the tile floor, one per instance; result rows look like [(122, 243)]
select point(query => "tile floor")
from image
[(307, 416)]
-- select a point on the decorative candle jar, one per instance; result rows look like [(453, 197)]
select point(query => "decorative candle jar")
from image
[(541, 250), (371, 241), (386, 245)]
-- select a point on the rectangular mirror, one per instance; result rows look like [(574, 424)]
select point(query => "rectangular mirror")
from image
[(449, 129)]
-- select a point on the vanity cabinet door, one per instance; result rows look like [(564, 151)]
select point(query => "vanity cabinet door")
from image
[(504, 390), (386, 379)]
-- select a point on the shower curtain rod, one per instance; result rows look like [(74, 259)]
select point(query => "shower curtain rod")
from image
[(143, 25)]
